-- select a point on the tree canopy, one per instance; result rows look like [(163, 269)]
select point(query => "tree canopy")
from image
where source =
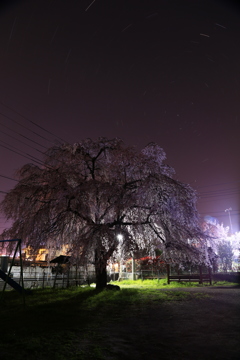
[(86, 194)]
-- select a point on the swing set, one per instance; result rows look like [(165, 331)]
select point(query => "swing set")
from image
[(6, 277)]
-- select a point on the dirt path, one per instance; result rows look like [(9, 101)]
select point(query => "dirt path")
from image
[(196, 329)]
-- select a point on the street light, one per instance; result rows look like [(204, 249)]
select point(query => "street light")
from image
[(120, 237), (230, 220)]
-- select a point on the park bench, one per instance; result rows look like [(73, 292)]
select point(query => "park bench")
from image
[(200, 278)]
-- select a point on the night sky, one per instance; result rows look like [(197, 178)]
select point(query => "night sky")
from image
[(145, 70)]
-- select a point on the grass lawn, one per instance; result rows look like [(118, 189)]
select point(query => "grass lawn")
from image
[(162, 283), (64, 323)]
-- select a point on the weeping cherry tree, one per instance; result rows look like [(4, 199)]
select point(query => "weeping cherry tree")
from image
[(87, 194)]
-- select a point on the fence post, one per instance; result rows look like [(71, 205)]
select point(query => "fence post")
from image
[(168, 273), (133, 268), (210, 275), (76, 276), (68, 278), (55, 278), (200, 275)]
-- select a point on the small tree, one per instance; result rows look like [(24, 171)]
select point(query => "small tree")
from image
[(87, 193), (225, 253), (223, 244)]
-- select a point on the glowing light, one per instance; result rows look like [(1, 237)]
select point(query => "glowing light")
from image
[(120, 237)]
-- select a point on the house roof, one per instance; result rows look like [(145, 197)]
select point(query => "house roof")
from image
[(61, 259)]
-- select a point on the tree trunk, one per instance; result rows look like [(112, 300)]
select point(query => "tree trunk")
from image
[(101, 277), (100, 270)]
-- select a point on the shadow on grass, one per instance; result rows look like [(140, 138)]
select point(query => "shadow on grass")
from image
[(66, 323), (54, 321), (49, 316)]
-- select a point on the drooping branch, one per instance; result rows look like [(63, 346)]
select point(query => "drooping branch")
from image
[(87, 192)]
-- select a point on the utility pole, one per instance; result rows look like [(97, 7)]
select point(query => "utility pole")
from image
[(230, 220), (120, 240)]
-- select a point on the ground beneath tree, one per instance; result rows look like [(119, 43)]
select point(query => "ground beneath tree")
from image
[(197, 328)]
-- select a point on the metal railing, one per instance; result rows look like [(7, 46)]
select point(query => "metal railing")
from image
[(52, 280), (142, 274)]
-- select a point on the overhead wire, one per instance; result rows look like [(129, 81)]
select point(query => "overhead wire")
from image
[(219, 192), (22, 142), (203, 196), (17, 150), (219, 184), (27, 156), (25, 137), (218, 196), (7, 177), (29, 140), (31, 121), (25, 127)]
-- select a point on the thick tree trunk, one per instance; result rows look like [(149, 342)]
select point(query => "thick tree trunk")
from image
[(100, 270), (101, 277)]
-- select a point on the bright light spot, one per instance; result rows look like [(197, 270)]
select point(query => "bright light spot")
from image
[(120, 237)]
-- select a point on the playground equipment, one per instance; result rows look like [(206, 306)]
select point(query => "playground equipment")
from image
[(7, 277)]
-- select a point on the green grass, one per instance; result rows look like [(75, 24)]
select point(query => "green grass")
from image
[(64, 323), (162, 283)]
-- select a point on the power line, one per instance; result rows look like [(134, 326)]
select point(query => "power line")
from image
[(20, 152), (31, 121), (219, 191), (7, 177), (223, 194), (22, 142), (29, 157), (26, 155), (220, 212), (204, 201), (219, 184), (25, 137), (25, 127)]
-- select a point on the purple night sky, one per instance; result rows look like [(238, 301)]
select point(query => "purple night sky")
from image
[(149, 70)]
